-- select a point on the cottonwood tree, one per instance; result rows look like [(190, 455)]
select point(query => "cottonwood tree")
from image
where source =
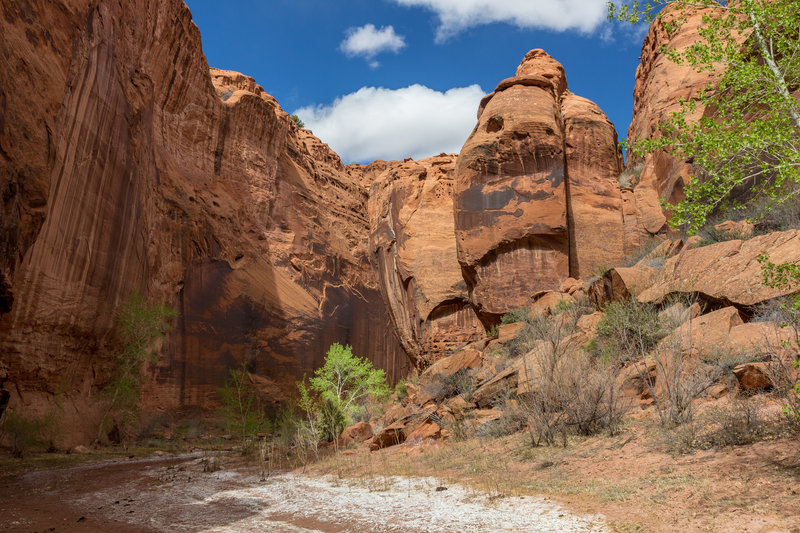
[(751, 137), (345, 381)]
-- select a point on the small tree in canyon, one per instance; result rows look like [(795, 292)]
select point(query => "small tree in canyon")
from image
[(342, 385), (240, 408), (139, 325)]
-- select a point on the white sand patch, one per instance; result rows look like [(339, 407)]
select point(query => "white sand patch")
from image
[(397, 504), (176, 495)]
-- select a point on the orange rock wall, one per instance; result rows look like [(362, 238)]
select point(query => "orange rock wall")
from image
[(126, 165)]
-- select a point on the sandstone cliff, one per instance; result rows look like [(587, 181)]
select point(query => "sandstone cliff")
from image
[(124, 164), (535, 183), (660, 85)]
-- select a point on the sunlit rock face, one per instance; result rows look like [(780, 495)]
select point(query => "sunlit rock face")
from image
[(413, 249), (522, 222), (661, 84)]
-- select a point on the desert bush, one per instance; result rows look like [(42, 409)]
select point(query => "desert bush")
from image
[(629, 330), (737, 423), (679, 381), (458, 427), (783, 374), (566, 390), (461, 383), (740, 422), (629, 179), (439, 388), (23, 432), (492, 331), (299, 123), (519, 314)]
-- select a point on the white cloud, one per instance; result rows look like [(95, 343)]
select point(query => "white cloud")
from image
[(558, 15), (377, 123), (367, 42)]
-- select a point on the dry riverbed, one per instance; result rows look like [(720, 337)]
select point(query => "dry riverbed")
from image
[(175, 494)]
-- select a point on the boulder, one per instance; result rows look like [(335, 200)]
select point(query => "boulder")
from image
[(391, 435), (753, 377), (357, 433), (547, 301), (704, 336), (664, 250), (621, 283), (727, 272), (741, 229), (571, 286), (428, 430), (679, 312), (466, 358), (507, 332)]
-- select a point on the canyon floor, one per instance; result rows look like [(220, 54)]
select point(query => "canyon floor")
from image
[(176, 494), (597, 484)]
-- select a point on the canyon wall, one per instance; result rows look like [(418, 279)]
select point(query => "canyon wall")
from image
[(127, 164)]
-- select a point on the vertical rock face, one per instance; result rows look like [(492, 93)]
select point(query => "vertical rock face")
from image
[(660, 85), (124, 165), (414, 251), (517, 227)]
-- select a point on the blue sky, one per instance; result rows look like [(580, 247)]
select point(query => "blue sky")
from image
[(402, 78)]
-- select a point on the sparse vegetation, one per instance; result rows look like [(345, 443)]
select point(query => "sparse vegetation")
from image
[(518, 314), (240, 407), (24, 432), (140, 326), (299, 123)]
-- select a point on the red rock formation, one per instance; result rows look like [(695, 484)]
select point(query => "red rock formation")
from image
[(519, 228), (124, 165), (414, 251), (660, 84)]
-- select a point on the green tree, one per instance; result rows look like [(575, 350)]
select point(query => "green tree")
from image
[(346, 381), (243, 417), (751, 139), (139, 325), (297, 121)]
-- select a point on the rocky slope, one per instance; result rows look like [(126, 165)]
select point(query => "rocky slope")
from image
[(125, 165)]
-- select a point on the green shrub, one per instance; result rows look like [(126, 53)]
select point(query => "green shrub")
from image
[(297, 121), (519, 314), (332, 421), (23, 432), (347, 380), (629, 330)]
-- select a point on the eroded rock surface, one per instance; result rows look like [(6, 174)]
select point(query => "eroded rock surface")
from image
[(413, 248), (523, 221), (660, 86)]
